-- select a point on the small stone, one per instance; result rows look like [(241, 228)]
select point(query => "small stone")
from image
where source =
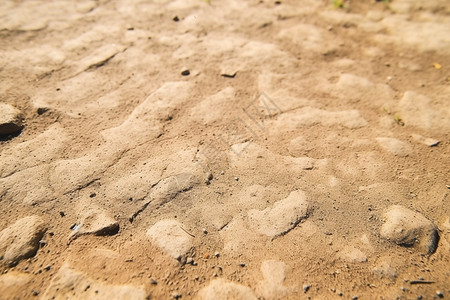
[(176, 296), (216, 254), (440, 294), (153, 281), (236, 178), (10, 119), (430, 142), (355, 298), (176, 19), (205, 231), (242, 264), (306, 287), (185, 72), (189, 260), (42, 110)]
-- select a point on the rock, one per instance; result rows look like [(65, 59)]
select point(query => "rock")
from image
[(185, 72), (94, 221), (72, 284), (352, 255), (272, 286), (409, 228), (171, 238), (221, 289), (394, 146), (424, 140), (230, 68), (21, 239), (282, 217), (10, 119)]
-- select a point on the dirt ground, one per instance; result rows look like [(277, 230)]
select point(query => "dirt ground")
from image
[(225, 149)]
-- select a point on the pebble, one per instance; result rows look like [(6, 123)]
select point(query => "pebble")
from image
[(10, 119), (185, 72), (216, 254), (440, 294), (306, 287)]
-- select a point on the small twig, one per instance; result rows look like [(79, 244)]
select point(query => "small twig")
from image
[(187, 232), (420, 282)]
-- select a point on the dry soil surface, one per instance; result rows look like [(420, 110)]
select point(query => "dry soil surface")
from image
[(226, 149)]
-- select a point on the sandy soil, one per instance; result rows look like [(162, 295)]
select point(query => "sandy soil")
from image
[(225, 150)]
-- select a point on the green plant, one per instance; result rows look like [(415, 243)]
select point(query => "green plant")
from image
[(399, 120), (337, 3)]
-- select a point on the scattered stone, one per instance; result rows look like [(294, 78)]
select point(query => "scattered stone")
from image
[(242, 264), (424, 140), (283, 216), (440, 294), (21, 239), (306, 287), (171, 238), (71, 284), (355, 298), (222, 289), (10, 119), (216, 254), (42, 110), (176, 296), (185, 72), (176, 19), (94, 221), (409, 228)]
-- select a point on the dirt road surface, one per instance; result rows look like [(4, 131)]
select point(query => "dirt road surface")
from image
[(224, 149)]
